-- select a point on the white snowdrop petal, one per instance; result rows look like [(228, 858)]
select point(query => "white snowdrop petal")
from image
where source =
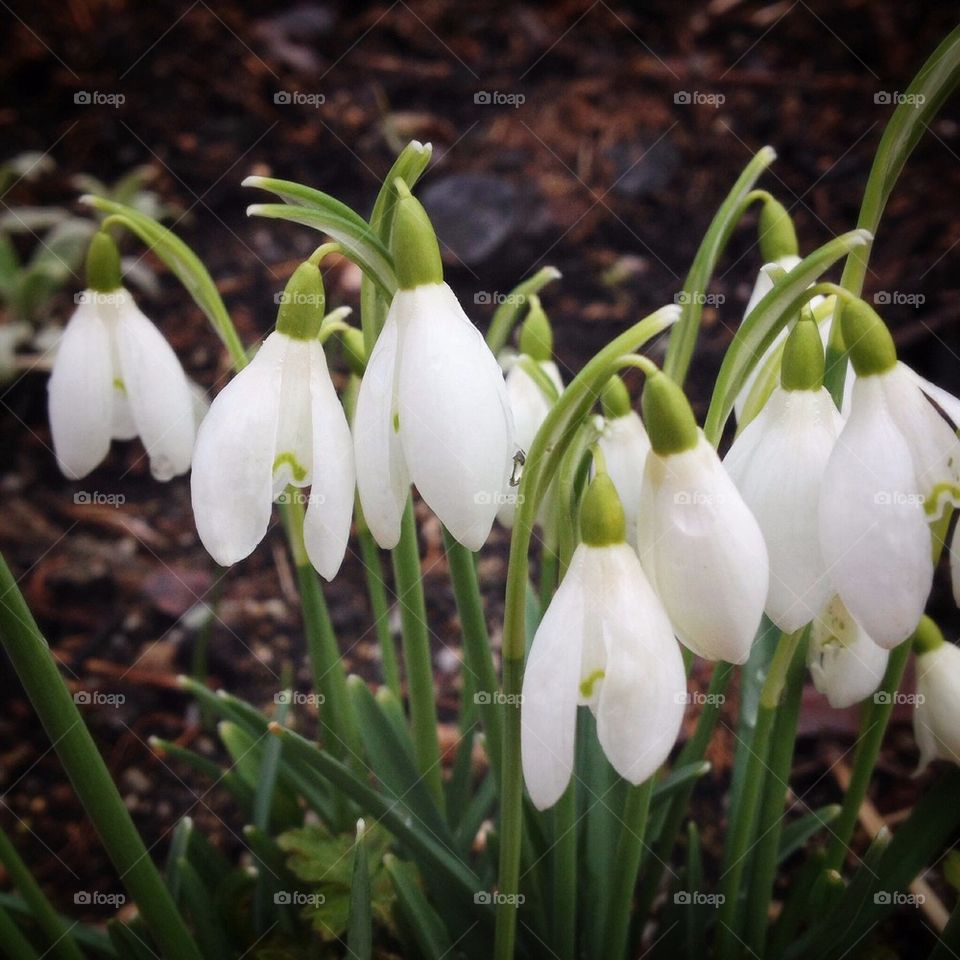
[(703, 553), (955, 562), (383, 481), (845, 664), (80, 392), (936, 717), (946, 401), (455, 423), (231, 483), (777, 464), (327, 523), (873, 530), (625, 446), (294, 453), (161, 403), (548, 716), (641, 699)]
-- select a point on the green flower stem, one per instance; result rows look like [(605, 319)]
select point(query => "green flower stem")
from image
[(770, 825), (62, 944), (874, 717), (564, 873), (544, 456), (636, 812), (337, 717), (476, 642), (549, 574), (379, 605), (744, 818), (37, 669), (416, 654)]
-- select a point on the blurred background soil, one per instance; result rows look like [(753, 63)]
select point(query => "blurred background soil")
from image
[(598, 137)]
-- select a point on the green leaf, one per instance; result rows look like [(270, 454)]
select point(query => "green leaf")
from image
[(127, 943), (683, 339), (207, 923), (183, 263), (423, 920), (795, 835), (760, 328), (360, 927), (508, 313)]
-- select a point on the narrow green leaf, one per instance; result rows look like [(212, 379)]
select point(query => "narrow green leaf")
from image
[(128, 943), (208, 926), (90, 938), (796, 835), (360, 928), (510, 310), (427, 926)]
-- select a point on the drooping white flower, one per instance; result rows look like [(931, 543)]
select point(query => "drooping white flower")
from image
[(699, 544), (625, 445), (278, 422), (606, 642), (777, 463), (845, 664), (115, 377), (892, 454), (936, 716), (432, 406)]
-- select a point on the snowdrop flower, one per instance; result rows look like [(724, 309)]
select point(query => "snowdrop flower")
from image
[(606, 642), (529, 401), (845, 664), (777, 463), (432, 407), (936, 716), (625, 445), (278, 422), (894, 452), (698, 541), (115, 377)]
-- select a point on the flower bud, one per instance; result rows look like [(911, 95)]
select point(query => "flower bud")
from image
[(802, 364), (602, 521), (413, 243), (302, 304), (777, 235), (103, 264), (668, 417), (868, 340)]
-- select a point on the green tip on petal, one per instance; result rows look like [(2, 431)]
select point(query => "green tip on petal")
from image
[(615, 399), (536, 334), (802, 365), (927, 636), (867, 339), (602, 521), (354, 351), (778, 238), (302, 304), (668, 416), (413, 243), (103, 264)]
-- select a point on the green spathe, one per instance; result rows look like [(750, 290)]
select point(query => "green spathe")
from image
[(668, 416), (867, 339), (302, 304), (927, 637), (536, 334), (103, 264), (353, 350), (602, 521), (803, 364), (615, 399), (778, 238), (413, 243)]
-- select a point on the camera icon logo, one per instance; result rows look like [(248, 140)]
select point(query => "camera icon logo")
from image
[(282, 96), (82, 98)]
